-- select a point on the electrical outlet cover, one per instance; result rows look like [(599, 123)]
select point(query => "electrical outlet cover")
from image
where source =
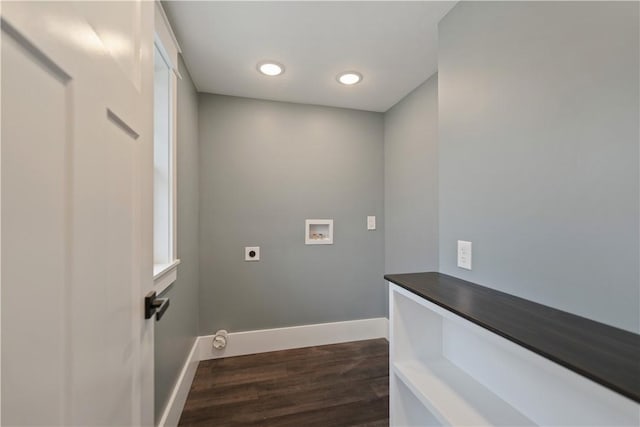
[(252, 253), (371, 223), (464, 254)]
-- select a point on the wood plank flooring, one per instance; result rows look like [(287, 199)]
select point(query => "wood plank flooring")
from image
[(330, 386)]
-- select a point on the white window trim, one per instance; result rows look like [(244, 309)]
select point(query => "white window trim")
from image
[(166, 36), (166, 274)]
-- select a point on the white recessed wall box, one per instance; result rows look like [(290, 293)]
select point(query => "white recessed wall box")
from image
[(318, 232)]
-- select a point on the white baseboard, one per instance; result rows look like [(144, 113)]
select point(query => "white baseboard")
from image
[(173, 410), (251, 342)]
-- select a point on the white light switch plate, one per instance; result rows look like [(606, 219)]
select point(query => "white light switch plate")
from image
[(371, 223), (464, 254), (252, 253)]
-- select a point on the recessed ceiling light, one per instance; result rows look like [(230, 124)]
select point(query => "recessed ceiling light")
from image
[(349, 78), (270, 68)]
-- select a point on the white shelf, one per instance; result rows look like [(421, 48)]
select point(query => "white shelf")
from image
[(454, 397), (448, 371), (410, 412)]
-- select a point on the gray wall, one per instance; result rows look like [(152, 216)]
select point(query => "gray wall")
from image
[(538, 114), (411, 181), (176, 332), (265, 167)]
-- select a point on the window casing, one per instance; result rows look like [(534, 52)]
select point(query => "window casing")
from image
[(165, 259)]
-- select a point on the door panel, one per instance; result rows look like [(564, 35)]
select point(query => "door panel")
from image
[(119, 28), (76, 188), (120, 249), (35, 255)]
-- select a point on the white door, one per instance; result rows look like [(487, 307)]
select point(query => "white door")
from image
[(76, 258)]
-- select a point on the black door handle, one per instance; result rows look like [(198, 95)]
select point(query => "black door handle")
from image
[(155, 305)]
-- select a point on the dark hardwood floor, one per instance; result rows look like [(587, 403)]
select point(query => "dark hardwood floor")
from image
[(329, 386)]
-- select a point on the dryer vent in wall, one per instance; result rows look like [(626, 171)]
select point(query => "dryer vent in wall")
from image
[(220, 340)]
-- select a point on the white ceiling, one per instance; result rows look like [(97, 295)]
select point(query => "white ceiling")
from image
[(393, 44)]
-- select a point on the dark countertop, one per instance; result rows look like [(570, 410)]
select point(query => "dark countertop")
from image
[(607, 355)]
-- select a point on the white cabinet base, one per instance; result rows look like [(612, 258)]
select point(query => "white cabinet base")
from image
[(448, 371)]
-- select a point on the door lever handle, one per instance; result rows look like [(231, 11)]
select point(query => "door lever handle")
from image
[(153, 305)]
